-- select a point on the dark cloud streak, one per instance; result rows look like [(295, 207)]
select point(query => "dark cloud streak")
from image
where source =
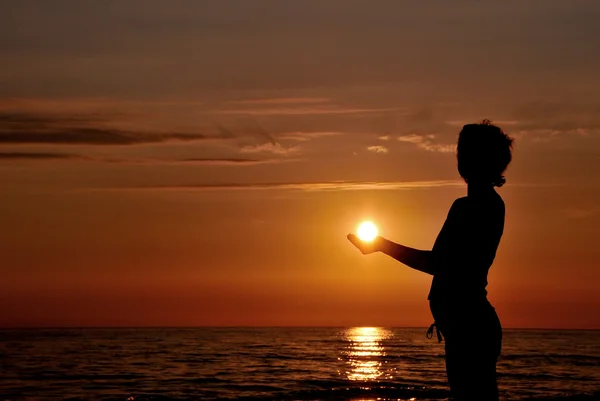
[(39, 156), (231, 162), (90, 136), (30, 128)]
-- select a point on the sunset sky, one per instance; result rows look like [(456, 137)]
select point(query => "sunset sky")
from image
[(186, 163)]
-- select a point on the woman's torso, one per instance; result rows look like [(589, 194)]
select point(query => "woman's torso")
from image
[(466, 247)]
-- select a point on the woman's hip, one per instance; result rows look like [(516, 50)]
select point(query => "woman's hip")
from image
[(473, 325)]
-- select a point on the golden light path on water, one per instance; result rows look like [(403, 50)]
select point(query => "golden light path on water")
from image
[(366, 353)]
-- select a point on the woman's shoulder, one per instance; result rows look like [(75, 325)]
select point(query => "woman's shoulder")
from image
[(493, 203), (460, 203)]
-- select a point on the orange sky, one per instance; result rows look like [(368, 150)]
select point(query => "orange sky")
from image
[(191, 163)]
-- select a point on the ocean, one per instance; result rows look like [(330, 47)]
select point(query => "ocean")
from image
[(360, 363)]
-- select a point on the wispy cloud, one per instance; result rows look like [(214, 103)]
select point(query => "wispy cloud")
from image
[(231, 162), (301, 186), (545, 121), (426, 142), (501, 123), (91, 136), (275, 148), (306, 136), (551, 134), (303, 110), (89, 104), (37, 120), (284, 100), (39, 156), (414, 138), (250, 126), (24, 128), (437, 147), (377, 149), (268, 143), (384, 138), (558, 114)]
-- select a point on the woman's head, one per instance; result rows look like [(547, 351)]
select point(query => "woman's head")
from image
[(484, 152)]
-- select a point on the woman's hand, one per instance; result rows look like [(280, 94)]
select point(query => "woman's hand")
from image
[(415, 258), (365, 247)]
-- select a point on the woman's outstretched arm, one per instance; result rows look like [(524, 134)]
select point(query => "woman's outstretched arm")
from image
[(414, 258)]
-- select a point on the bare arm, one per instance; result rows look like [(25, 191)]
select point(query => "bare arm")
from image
[(414, 258)]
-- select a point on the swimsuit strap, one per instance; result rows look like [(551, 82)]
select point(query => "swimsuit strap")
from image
[(429, 333)]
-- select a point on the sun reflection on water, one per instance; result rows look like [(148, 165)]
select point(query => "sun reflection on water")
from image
[(366, 353)]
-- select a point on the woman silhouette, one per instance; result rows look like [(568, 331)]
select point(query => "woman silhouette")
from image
[(459, 262)]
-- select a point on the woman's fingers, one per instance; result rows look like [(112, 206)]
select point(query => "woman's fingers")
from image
[(357, 242)]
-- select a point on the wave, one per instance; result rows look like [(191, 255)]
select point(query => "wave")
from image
[(349, 394), (550, 356)]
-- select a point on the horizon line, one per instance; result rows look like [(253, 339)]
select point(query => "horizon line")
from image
[(124, 327)]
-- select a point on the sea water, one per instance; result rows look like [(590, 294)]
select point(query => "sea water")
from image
[(359, 363)]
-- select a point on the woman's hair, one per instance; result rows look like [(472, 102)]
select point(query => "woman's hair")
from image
[(483, 153)]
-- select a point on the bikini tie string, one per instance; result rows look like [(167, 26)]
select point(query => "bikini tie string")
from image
[(429, 334)]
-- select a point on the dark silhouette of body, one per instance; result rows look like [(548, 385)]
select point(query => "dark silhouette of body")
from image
[(459, 262)]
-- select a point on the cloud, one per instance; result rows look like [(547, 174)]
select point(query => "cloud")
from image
[(20, 128), (546, 121), (543, 121), (414, 138), (377, 149), (302, 186), (20, 119), (305, 136), (275, 148), (425, 142), (500, 123), (567, 113), (29, 128), (384, 138), (283, 100), (304, 110), (548, 135), (91, 136), (240, 162), (437, 147), (233, 161), (39, 156), (268, 143), (71, 156), (252, 127), (224, 132)]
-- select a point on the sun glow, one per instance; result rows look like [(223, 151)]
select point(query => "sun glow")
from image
[(367, 231)]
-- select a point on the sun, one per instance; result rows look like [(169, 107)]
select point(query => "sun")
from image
[(367, 231)]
